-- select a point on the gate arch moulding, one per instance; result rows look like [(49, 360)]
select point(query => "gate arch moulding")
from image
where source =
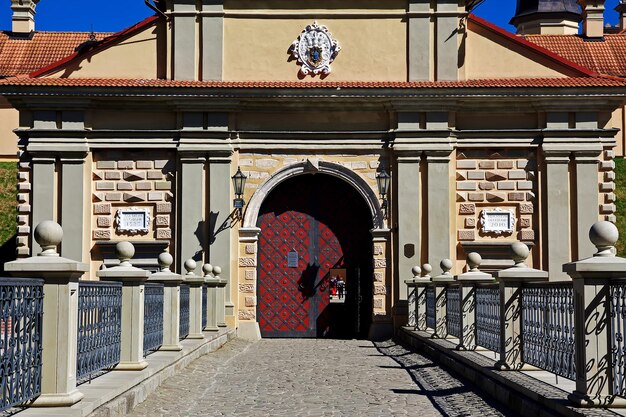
[(305, 167)]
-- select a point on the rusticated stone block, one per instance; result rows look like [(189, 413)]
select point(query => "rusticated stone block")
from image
[(466, 164), (155, 196), (113, 196), (378, 249), (486, 186), (124, 186), (98, 176), (526, 235), (465, 235), (105, 164), (607, 165), (516, 196), (22, 219), (607, 208), (470, 222), (105, 186), (461, 176), (143, 186), (609, 198), (23, 230), (506, 185), (113, 175), (163, 208), (476, 175), (487, 165), (379, 303), (374, 164), (125, 164), (163, 220), (144, 164), (607, 187), (22, 198), (250, 301), (247, 288), (380, 290), (24, 208), (525, 185), (466, 186), (103, 221), (266, 163), (380, 263), (496, 197), (102, 208), (476, 197), (164, 233), (359, 165), (24, 186), (246, 162), (524, 222), (609, 154), (163, 185), (609, 176), (467, 209), (530, 196), (102, 235), (250, 249), (247, 315), (160, 164), (379, 276), (155, 175), (134, 197), (526, 208), (517, 175), (495, 175), (23, 251), (134, 175), (611, 218), (247, 262), (23, 176), (505, 164), (250, 275), (461, 197)]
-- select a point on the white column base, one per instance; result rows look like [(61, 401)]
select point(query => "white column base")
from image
[(57, 400), (171, 348), (249, 330), (195, 336), (131, 366)]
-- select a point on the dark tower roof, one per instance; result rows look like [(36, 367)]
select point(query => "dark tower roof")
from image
[(528, 10)]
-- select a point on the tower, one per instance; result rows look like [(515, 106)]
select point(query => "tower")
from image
[(547, 17)]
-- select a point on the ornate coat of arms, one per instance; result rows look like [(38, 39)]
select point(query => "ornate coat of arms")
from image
[(315, 49)]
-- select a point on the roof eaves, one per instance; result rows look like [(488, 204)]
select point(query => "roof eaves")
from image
[(97, 46)]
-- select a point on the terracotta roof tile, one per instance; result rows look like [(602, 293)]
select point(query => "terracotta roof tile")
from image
[(604, 57), (146, 83), (23, 55)]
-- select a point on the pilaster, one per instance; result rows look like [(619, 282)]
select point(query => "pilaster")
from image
[(420, 41), (184, 43), (43, 195), (191, 208), (587, 198), (212, 17), (439, 216), (72, 211)]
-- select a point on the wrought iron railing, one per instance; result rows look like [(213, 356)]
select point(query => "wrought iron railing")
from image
[(618, 348), (430, 307), (21, 316), (99, 327), (488, 317), (204, 306), (548, 327), (153, 318), (184, 311), (453, 310)]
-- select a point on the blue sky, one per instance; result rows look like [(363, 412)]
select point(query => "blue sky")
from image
[(105, 16)]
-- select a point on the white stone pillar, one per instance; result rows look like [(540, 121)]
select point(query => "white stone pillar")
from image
[(192, 187), (441, 282), (195, 284), (421, 283), (60, 315), (171, 302), (467, 307), (211, 306), (133, 280), (412, 297), (593, 331), (221, 297), (511, 281)]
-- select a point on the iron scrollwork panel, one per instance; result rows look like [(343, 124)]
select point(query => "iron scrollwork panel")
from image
[(184, 312), (153, 318), (488, 318)]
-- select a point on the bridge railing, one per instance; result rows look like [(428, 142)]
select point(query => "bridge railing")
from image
[(21, 320), (153, 318), (575, 329)]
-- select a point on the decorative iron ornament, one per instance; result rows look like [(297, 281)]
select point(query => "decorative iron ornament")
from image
[(204, 306), (184, 312), (21, 315), (411, 299), (153, 318), (488, 317), (99, 327), (453, 311), (548, 328), (430, 308), (315, 49), (618, 348)]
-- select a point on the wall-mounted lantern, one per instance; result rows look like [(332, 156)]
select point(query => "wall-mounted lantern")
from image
[(239, 182), (383, 179)]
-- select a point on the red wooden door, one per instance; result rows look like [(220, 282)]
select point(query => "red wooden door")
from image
[(293, 301)]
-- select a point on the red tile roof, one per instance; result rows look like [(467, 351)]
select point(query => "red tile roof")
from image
[(23, 55), (604, 57), (149, 83)]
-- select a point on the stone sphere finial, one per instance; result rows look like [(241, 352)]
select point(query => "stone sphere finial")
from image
[(446, 266), (474, 260), (604, 236), (48, 234), (416, 270), (520, 253), (190, 266), (125, 252), (207, 269), (427, 269), (165, 261), (217, 270)]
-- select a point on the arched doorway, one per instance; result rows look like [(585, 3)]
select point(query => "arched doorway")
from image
[(314, 228)]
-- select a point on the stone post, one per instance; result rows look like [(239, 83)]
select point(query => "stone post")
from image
[(593, 333), (468, 281), (60, 315), (412, 297), (221, 297), (171, 302), (441, 283), (133, 280), (511, 281), (211, 305), (421, 283), (195, 283)]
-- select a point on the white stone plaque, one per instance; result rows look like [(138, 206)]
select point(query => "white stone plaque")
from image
[(133, 220), (497, 221)]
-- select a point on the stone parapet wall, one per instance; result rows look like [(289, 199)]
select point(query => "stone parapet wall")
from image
[(122, 180), (505, 179)]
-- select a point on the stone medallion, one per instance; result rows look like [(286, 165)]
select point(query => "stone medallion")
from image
[(315, 49)]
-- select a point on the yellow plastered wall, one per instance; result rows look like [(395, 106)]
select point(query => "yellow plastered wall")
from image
[(489, 56), (9, 120), (134, 57)]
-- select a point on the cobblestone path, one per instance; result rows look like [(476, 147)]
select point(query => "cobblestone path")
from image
[(277, 377)]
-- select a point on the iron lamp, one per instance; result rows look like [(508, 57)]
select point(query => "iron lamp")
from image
[(383, 179), (239, 182)]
